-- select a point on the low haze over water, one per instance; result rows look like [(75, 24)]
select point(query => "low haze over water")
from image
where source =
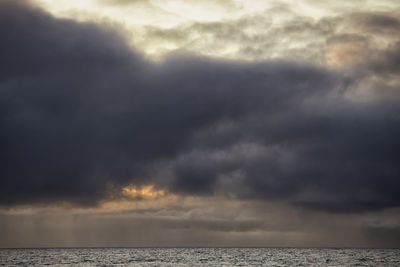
[(200, 256)]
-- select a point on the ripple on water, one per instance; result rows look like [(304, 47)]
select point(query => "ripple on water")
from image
[(200, 257)]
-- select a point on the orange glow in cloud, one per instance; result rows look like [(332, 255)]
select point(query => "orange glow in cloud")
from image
[(146, 191), (350, 54)]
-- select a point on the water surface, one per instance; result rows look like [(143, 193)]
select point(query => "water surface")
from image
[(200, 257)]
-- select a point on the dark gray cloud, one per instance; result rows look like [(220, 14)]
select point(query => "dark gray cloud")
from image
[(82, 114)]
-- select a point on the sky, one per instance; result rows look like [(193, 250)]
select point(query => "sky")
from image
[(135, 123)]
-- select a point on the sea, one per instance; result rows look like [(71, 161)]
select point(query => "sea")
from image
[(200, 257)]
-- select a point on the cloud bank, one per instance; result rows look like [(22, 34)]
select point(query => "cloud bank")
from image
[(82, 114)]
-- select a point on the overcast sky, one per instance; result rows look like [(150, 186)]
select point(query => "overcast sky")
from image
[(199, 123)]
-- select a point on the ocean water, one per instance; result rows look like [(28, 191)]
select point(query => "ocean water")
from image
[(199, 257)]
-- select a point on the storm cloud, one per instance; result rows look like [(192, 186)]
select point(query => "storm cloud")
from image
[(83, 114)]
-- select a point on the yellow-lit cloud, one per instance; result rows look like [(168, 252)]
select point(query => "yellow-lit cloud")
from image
[(158, 27), (146, 191)]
